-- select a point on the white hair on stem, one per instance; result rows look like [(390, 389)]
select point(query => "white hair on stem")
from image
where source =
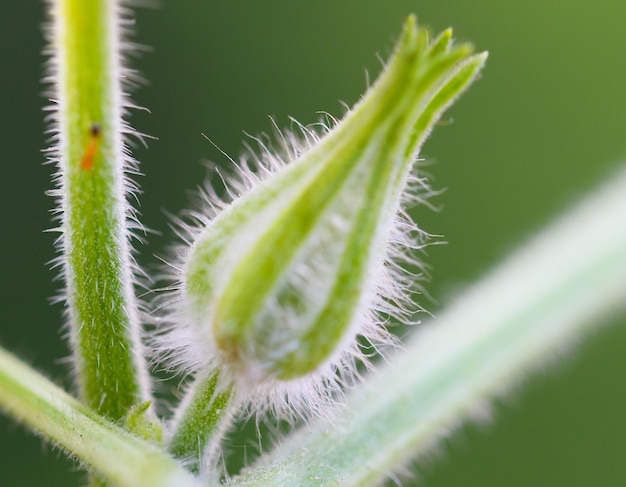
[(61, 113)]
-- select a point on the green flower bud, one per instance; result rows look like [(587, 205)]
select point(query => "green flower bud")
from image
[(279, 282)]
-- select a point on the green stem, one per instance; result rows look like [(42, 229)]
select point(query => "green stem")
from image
[(514, 320), (122, 459), (85, 38), (199, 424)]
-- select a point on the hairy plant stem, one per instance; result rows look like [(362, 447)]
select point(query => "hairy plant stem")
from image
[(121, 458), (85, 41), (199, 424), (531, 308)]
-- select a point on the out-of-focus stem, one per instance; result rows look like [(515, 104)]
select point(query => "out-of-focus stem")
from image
[(533, 306)]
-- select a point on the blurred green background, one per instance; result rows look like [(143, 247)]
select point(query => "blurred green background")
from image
[(543, 125)]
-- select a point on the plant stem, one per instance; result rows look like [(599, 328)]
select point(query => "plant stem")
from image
[(122, 459), (517, 318), (92, 162), (199, 423)]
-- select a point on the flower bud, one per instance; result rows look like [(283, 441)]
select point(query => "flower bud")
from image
[(280, 282)]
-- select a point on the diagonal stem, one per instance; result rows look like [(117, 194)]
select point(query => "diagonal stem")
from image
[(517, 318), (122, 459)]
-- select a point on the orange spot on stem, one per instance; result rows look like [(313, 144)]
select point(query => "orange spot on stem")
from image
[(86, 163)]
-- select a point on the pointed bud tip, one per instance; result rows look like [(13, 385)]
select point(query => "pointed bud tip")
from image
[(410, 24), (277, 289), (442, 43), (409, 38), (478, 61)]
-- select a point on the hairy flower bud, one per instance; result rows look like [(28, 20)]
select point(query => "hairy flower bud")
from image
[(280, 281)]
